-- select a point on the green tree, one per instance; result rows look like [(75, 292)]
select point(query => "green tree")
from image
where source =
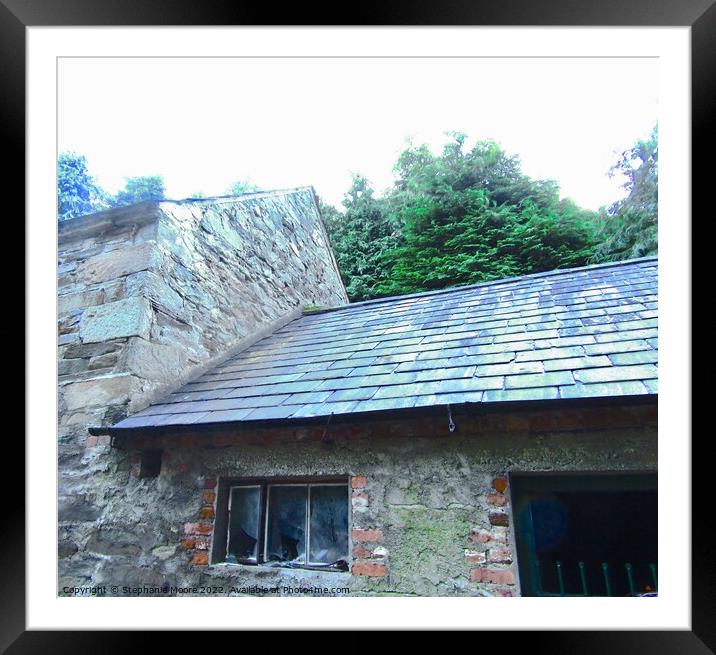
[(629, 227), (139, 189), (242, 186), (77, 191), (363, 239), (460, 217)]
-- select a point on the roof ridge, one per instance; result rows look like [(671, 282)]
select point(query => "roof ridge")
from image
[(250, 195), (529, 276)]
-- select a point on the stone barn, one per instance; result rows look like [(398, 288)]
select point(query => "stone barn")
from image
[(230, 424)]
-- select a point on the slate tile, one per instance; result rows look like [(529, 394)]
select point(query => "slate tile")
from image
[(359, 393), (400, 391), (137, 421), (565, 342), (445, 373), (383, 404), (637, 357), (373, 370), (544, 354), (267, 413), (472, 384), (616, 373), (537, 334), (242, 402), (603, 389), (188, 418), (351, 363), (538, 380), (539, 393), (573, 363), (308, 398), (610, 347), (510, 368), (629, 335), (222, 416)]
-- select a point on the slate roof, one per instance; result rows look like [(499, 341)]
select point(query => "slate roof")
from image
[(575, 333)]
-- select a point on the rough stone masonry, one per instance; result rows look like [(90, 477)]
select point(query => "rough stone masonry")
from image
[(148, 296)]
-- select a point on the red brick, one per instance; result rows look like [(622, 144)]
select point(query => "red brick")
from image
[(209, 483), (208, 498), (90, 442), (498, 518), (362, 535), (499, 484), (197, 528), (104, 440), (479, 536), (361, 551), (360, 494), (206, 513), (496, 499), (200, 558), (370, 569), (493, 576), (359, 481), (501, 555), (188, 543)]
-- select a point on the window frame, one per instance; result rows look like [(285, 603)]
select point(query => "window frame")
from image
[(264, 484)]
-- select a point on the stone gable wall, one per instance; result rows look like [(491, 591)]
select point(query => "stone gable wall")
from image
[(151, 295)]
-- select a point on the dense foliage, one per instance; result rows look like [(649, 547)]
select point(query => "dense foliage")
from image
[(629, 226), (461, 217), (241, 186), (139, 189), (77, 191)]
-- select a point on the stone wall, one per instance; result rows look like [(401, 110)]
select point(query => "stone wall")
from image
[(430, 509), (151, 295)]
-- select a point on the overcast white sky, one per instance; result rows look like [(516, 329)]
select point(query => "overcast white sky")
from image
[(204, 123)]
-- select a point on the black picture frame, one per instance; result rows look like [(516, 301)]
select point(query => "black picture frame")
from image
[(699, 15)]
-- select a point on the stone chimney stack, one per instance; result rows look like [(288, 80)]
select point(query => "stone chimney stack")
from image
[(150, 295)]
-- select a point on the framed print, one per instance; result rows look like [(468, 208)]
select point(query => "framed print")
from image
[(247, 402)]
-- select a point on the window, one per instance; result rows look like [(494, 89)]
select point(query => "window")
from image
[(288, 522), (593, 534)]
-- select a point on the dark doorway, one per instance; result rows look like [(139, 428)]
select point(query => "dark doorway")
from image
[(586, 534)]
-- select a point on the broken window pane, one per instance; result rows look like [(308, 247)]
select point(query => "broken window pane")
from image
[(244, 524), (329, 524), (286, 534)]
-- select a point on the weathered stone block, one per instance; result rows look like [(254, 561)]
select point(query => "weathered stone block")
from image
[(155, 361), (77, 509), (101, 391), (113, 542), (71, 366), (150, 285), (123, 318), (86, 350), (73, 301), (119, 262)]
